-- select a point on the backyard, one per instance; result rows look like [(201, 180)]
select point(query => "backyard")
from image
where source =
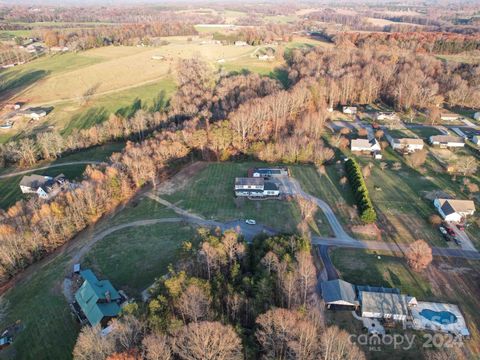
[(448, 280)]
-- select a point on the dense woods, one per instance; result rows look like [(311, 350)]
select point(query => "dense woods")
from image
[(428, 42), (362, 76), (226, 299)]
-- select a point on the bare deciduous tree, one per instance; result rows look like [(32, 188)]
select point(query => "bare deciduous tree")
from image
[(91, 345), (157, 347), (419, 255), (207, 341)]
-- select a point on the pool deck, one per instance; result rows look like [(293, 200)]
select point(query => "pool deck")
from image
[(421, 323)]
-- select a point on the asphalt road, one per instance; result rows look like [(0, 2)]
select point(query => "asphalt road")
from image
[(332, 273)]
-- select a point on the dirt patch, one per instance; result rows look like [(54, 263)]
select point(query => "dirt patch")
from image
[(370, 230), (181, 179)]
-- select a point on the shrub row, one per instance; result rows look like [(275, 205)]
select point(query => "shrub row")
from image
[(360, 192)]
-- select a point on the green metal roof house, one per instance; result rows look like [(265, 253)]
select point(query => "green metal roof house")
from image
[(98, 299)]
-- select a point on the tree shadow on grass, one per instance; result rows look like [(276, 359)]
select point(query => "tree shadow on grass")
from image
[(129, 110), (86, 119), (18, 80)]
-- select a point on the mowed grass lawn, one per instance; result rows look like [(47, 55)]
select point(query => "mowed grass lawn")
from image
[(364, 267), (327, 187), (10, 188), (133, 257), (210, 194), (49, 330), (400, 198)]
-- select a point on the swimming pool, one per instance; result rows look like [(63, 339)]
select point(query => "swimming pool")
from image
[(441, 317)]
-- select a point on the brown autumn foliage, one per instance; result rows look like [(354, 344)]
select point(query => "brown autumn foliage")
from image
[(419, 255)]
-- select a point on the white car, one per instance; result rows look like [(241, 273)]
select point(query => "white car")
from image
[(251, 222)]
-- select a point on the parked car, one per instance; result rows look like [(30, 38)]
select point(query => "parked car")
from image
[(251, 222), (460, 227), (442, 230), (450, 231)]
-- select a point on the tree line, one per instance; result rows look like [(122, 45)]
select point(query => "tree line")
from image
[(125, 34), (427, 42), (360, 191), (226, 299)]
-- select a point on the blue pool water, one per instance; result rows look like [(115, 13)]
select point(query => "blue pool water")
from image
[(441, 317)]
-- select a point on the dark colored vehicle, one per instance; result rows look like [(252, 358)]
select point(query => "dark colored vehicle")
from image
[(457, 241), (450, 231)]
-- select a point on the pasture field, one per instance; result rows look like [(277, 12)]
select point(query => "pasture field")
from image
[(116, 76), (403, 198), (376, 268)]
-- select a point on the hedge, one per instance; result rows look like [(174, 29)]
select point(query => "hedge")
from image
[(360, 192)]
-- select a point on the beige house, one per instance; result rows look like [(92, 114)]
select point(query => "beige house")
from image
[(406, 144), (454, 210), (446, 141)]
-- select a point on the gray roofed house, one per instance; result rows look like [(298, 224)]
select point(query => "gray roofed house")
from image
[(339, 292), (447, 141), (44, 186), (384, 305)]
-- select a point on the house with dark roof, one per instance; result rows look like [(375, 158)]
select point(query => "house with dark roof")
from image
[(255, 187), (98, 299), (268, 172), (339, 294), (454, 210), (44, 186)]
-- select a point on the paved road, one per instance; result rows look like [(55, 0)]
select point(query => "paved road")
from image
[(23, 172), (291, 186), (379, 245), (332, 273)]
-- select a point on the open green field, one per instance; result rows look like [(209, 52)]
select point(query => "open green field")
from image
[(49, 329), (327, 187), (388, 271), (210, 194), (117, 76), (9, 187), (147, 249), (425, 132)]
